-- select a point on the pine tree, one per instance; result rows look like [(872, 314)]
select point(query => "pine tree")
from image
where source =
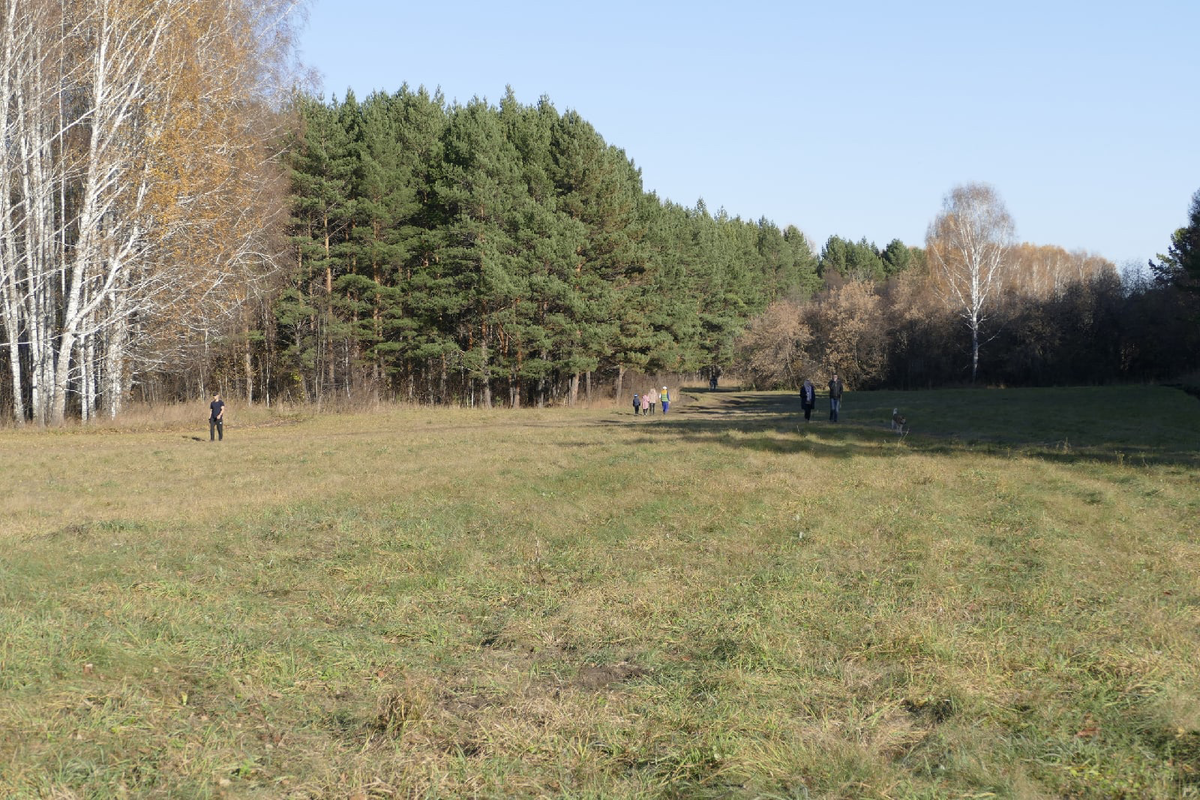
[(599, 189), (1181, 264), (849, 260), (320, 166), (417, 338), (482, 194), (897, 257)]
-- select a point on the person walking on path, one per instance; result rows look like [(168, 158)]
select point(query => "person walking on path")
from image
[(637, 404), (835, 398), (808, 399), (666, 399), (216, 418), (645, 405), (653, 399)]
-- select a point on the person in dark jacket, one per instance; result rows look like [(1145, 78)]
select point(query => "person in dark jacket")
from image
[(216, 418), (808, 399), (835, 397)]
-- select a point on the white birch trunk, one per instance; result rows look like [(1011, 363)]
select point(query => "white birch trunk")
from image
[(116, 184), (116, 368), (11, 35), (85, 358)]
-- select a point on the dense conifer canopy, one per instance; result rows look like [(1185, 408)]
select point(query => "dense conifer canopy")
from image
[(481, 253)]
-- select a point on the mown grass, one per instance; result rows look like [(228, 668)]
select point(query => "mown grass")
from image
[(726, 602)]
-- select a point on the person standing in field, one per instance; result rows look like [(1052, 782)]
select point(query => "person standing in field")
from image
[(216, 418), (653, 399), (637, 404), (666, 400), (808, 399), (835, 398), (645, 404)]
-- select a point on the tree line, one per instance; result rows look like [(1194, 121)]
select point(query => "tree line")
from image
[(975, 306), (480, 254), (177, 221)]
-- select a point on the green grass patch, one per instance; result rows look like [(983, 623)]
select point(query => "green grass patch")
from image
[(723, 602)]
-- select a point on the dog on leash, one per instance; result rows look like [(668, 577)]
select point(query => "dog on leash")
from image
[(898, 422)]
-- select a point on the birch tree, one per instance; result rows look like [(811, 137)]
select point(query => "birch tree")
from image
[(968, 246), (14, 56), (129, 176)]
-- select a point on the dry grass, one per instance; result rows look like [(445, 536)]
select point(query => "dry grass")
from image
[(725, 602)]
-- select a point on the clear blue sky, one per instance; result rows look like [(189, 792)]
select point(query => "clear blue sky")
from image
[(847, 118)]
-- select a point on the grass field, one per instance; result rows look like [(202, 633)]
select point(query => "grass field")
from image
[(726, 602)]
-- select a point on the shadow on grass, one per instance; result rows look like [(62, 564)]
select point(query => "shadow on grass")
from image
[(730, 403), (1134, 426), (786, 436)]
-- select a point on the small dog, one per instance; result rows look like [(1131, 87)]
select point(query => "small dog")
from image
[(898, 421)]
